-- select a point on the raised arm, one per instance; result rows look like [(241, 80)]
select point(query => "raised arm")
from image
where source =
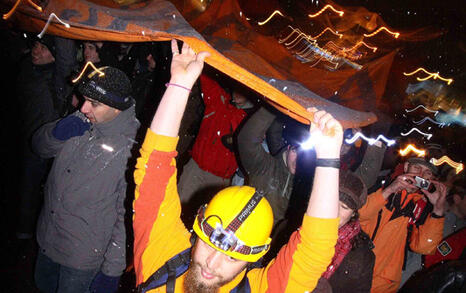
[(185, 69)]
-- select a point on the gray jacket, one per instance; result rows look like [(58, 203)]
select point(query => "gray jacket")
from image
[(266, 173), (81, 224)]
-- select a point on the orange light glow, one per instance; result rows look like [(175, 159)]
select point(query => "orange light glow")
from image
[(445, 159), (7, 15), (270, 17), (433, 75), (359, 44), (328, 6), (89, 63), (326, 30), (396, 35), (412, 148)]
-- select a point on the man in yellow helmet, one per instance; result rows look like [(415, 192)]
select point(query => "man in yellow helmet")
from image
[(233, 230)]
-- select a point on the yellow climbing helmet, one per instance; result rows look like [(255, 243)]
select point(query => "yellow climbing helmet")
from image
[(237, 222)]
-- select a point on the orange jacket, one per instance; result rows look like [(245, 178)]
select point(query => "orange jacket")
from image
[(159, 234), (390, 238)]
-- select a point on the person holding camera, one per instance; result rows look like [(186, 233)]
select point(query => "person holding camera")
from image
[(409, 211)]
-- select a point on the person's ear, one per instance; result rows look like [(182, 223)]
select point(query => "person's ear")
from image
[(405, 167)]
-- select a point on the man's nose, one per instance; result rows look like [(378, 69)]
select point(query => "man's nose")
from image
[(85, 108), (214, 260)]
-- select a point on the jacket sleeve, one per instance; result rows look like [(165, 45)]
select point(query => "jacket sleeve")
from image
[(300, 263), (375, 202), (43, 142), (371, 164), (157, 208), (425, 238), (253, 157)]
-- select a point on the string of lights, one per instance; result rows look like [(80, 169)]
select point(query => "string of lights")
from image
[(395, 34), (371, 141), (445, 159), (421, 106), (328, 6), (89, 63), (428, 135), (270, 17), (433, 75), (411, 148), (440, 124), (52, 15), (13, 9)]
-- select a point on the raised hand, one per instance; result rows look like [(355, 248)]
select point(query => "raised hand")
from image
[(328, 134), (187, 66), (437, 198)]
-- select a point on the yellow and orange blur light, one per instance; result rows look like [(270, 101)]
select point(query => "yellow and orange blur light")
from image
[(89, 63), (359, 44), (270, 17), (395, 34), (433, 75), (411, 148), (13, 9), (328, 6), (445, 159), (327, 29)]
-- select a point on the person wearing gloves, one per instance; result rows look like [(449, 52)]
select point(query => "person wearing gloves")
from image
[(81, 232), (233, 230)]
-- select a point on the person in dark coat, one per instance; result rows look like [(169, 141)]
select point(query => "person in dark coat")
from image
[(81, 231), (36, 94), (352, 265)]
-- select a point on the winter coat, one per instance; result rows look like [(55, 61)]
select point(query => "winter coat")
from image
[(220, 118), (35, 89), (355, 271), (266, 173), (81, 224), (387, 223)]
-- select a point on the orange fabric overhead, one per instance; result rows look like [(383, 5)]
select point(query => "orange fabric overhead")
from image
[(237, 49)]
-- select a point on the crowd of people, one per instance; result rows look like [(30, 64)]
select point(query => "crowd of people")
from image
[(209, 178)]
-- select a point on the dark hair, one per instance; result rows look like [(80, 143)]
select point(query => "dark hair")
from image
[(352, 190)]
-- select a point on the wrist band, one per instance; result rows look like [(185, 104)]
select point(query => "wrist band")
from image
[(174, 84), (435, 216), (331, 163)]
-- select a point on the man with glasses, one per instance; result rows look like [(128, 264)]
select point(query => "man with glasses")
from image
[(232, 231)]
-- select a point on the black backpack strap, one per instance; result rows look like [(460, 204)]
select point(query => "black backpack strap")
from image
[(168, 273), (243, 286)]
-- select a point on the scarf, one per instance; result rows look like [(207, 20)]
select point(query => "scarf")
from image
[(345, 234)]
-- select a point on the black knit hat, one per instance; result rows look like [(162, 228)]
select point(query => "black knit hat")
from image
[(353, 191), (112, 89), (49, 42)]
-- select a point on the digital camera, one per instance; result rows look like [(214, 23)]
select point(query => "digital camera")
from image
[(422, 183)]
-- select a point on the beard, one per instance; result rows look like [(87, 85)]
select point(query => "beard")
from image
[(193, 281)]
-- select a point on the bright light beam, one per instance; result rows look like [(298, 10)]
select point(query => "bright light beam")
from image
[(433, 75), (7, 15), (422, 106), (440, 124), (48, 23), (370, 140), (328, 6), (428, 135), (445, 159), (396, 35), (325, 30), (411, 148), (270, 17), (89, 63)]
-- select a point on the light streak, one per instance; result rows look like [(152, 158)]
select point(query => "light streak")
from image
[(323, 32), (48, 23), (445, 159), (328, 6), (412, 148), (440, 124), (428, 135), (359, 45), (7, 15), (396, 35), (422, 106), (370, 140), (270, 17), (89, 63), (433, 75)]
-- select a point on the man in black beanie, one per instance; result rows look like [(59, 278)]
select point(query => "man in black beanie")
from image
[(81, 232)]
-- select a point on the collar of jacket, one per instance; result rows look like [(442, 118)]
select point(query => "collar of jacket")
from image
[(119, 124)]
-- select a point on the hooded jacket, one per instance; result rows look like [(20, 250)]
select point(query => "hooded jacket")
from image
[(387, 223), (81, 224), (266, 173)]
